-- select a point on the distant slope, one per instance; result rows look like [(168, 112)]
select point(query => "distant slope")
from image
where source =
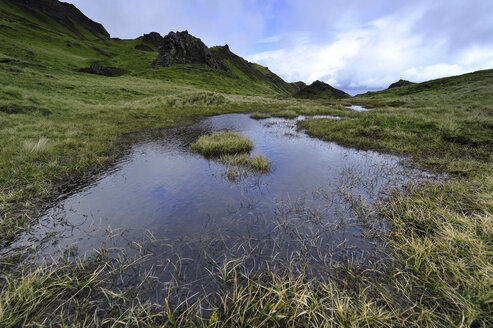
[(400, 83), (65, 14), (448, 85), (245, 70), (321, 90)]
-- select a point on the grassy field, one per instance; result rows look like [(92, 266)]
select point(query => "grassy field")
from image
[(59, 128)]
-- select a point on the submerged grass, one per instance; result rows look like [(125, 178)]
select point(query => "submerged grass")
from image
[(221, 143), (257, 163)]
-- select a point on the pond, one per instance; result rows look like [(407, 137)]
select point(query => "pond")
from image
[(186, 216)]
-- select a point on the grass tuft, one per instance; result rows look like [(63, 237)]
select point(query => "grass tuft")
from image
[(286, 114), (259, 116), (221, 143), (258, 163)]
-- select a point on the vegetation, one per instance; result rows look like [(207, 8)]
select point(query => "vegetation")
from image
[(59, 127), (220, 143), (257, 163), (259, 116), (286, 114)]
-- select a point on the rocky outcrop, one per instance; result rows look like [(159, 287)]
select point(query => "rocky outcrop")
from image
[(153, 38), (65, 14), (183, 48), (400, 83), (319, 90)]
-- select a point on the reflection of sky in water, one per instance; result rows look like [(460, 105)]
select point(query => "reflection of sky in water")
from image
[(164, 188)]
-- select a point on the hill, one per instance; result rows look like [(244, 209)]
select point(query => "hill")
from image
[(57, 35), (452, 86), (400, 83), (321, 90), (245, 70), (65, 14)]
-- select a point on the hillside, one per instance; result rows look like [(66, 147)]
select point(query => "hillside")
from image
[(58, 36), (471, 81), (245, 70)]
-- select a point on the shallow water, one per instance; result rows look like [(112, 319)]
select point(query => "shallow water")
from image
[(170, 205), (358, 108)]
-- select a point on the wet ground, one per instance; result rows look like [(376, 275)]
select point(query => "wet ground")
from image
[(184, 216)]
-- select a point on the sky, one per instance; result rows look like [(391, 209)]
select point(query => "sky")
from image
[(354, 45)]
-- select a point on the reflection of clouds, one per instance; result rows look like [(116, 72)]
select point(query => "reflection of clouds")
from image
[(316, 205)]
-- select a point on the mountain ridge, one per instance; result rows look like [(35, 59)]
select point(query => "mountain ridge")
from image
[(64, 14)]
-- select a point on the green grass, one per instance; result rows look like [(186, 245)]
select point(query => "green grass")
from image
[(259, 116), (257, 163), (440, 128), (221, 143), (285, 114)]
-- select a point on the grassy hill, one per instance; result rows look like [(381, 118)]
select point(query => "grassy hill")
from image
[(30, 36)]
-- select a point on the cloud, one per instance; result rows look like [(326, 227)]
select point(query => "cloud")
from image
[(402, 44), (238, 23)]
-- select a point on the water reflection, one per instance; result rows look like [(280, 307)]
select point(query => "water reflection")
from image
[(186, 217)]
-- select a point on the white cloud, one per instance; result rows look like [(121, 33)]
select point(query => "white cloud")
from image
[(373, 56)]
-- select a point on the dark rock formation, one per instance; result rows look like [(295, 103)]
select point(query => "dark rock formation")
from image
[(183, 48), (298, 86), (65, 14), (99, 69), (143, 47), (319, 89), (400, 83), (153, 38)]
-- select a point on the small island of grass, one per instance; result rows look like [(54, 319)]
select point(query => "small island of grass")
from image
[(286, 114), (222, 143), (259, 116)]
